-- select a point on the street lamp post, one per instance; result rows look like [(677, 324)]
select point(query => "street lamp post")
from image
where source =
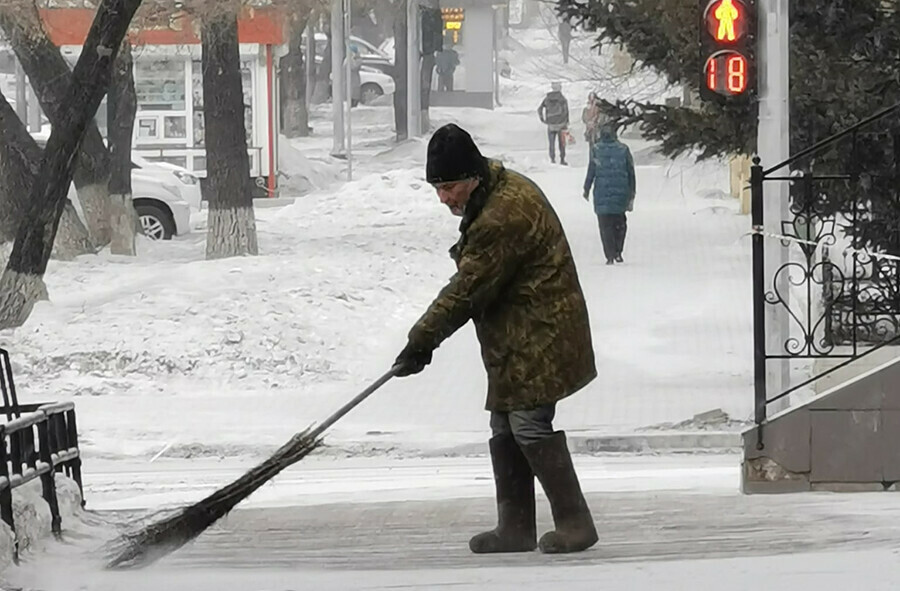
[(349, 86), (413, 70), (338, 49)]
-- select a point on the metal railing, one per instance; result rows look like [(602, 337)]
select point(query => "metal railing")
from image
[(36, 441), (839, 310)]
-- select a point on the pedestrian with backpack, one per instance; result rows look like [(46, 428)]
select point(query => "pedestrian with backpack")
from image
[(554, 113)]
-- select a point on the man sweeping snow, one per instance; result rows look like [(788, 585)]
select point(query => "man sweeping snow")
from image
[(516, 280)]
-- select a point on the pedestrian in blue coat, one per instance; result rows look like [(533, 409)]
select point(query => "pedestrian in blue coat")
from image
[(611, 174)]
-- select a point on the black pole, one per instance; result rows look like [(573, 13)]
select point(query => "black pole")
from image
[(759, 298)]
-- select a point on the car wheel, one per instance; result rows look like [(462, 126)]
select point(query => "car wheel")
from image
[(369, 93), (156, 223)]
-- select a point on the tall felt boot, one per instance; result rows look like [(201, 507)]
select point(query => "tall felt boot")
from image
[(552, 464), (516, 530)]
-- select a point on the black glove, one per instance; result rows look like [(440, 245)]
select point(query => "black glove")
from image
[(411, 361)]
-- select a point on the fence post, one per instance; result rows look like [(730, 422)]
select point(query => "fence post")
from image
[(6, 503), (759, 299), (48, 479), (10, 400), (72, 426)]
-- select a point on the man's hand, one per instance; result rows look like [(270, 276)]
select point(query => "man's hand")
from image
[(411, 361), (585, 196)]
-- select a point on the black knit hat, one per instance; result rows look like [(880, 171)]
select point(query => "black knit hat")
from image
[(453, 156)]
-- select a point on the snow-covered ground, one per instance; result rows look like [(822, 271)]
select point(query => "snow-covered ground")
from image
[(185, 370), (170, 353)]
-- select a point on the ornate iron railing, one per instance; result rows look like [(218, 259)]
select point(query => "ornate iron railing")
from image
[(836, 288)]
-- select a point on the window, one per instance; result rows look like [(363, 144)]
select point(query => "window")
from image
[(160, 85), (197, 93)]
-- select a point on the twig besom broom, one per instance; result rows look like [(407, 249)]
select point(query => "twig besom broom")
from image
[(141, 548)]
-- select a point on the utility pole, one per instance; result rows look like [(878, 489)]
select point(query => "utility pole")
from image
[(310, 64), (338, 73), (349, 82), (413, 70), (773, 145)]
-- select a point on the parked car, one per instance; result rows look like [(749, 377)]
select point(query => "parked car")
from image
[(373, 84), (371, 56), (157, 193), (161, 209), (188, 183)]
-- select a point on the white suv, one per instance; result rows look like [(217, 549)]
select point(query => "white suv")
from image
[(188, 183), (162, 210), (163, 195)]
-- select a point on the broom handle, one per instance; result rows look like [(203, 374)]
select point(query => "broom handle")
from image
[(314, 434)]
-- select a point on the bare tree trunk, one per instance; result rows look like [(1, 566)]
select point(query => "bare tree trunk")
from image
[(399, 75), (22, 283), (18, 167), (51, 78), (20, 160), (293, 82), (232, 224), (72, 237), (122, 109)]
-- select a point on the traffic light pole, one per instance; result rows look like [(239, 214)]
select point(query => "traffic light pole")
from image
[(773, 146)]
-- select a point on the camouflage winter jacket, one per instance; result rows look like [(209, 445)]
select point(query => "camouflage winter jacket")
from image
[(516, 280)]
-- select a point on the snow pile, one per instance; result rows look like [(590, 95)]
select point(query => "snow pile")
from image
[(339, 271), (229, 319), (31, 514), (300, 174)]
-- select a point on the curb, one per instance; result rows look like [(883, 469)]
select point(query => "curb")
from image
[(719, 441), (631, 443)]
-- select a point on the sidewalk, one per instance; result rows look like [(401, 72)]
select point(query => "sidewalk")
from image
[(672, 326), (668, 524)]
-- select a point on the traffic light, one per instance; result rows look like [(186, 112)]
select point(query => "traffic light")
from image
[(728, 31)]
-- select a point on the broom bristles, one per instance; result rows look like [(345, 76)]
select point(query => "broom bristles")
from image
[(154, 541)]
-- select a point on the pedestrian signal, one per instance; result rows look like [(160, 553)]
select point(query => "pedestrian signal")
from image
[(728, 49)]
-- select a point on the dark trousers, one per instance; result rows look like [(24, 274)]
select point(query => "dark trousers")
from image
[(613, 228), (526, 426), (565, 50), (445, 82), (557, 138)]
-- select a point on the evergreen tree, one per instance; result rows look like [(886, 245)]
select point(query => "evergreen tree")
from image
[(844, 66)]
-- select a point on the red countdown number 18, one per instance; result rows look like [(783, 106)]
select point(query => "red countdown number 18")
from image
[(735, 74)]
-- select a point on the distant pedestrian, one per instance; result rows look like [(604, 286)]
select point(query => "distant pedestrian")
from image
[(355, 76), (565, 38), (554, 112), (446, 63), (592, 117), (611, 174)]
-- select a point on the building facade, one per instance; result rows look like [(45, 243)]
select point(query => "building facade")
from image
[(169, 125)]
